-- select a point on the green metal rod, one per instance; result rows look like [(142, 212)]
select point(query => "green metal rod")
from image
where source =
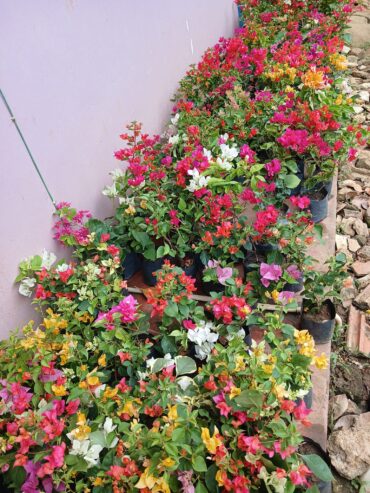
[(12, 117)]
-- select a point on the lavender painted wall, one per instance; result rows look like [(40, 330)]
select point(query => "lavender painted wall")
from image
[(75, 72)]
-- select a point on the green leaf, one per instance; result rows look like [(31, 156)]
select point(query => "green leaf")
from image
[(98, 438), (159, 364), (313, 489), (172, 310), (318, 466), (178, 435), (184, 364), (199, 464), (182, 204), (201, 488), (210, 478), (291, 181), (249, 398)]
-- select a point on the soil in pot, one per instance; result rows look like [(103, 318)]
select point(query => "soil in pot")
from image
[(320, 324)]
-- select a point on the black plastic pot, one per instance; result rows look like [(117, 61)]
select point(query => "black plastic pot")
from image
[(322, 332), (319, 208), (264, 248), (247, 337), (131, 264), (149, 267), (294, 287), (210, 286)]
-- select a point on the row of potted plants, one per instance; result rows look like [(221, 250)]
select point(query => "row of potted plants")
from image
[(104, 397)]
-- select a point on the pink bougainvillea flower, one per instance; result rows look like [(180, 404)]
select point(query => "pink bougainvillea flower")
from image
[(189, 324), (286, 297), (185, 479), (270, 272), (223, 274), (294, 272), (302, 202), (300, 475), (273, 167)]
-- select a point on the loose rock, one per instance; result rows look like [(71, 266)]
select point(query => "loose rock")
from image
[(349, 449)]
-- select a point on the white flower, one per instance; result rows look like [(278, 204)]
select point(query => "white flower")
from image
[(225, 137), (174, 139), (228, 153), (108, 428), (203, 338), (62, 267), (26, 285), (207, 154), (224, 164), (117, 173), (87, 451), (47, 259), (199, 181), (110, 191), (240, 333), (175, 119), (108, 425), (150, 363), (99, 390)]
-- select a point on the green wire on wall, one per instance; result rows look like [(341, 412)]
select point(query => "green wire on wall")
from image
[(12, 117)]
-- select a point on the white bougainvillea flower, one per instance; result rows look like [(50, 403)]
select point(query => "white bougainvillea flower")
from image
[(26, 285), (47, 259)]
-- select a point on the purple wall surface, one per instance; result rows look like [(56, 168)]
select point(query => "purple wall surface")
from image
[(75, 72)]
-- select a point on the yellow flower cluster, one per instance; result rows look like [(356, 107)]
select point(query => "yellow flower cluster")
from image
[(211, 442), (339, 61), (156, 485), (314, 79), (307, 348), (278, 72), (83, 430), (54, 323)]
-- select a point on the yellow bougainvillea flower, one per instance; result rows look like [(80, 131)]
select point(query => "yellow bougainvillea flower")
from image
[(321, 362), (219, 477), (339, 61), (240, 363), (82, 432), (275, 295), (234, 392), (130, 210), (98, 482), (314, 79), (59, 390), (172, 413), (102, 361), (302, 336), (93, 380), (109, 393), (146, 480), (168, 462), (157, 485), (213, 442)]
